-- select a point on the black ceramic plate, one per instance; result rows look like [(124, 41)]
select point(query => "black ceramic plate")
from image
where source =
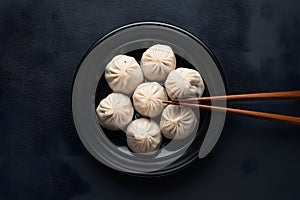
[(90, 87)]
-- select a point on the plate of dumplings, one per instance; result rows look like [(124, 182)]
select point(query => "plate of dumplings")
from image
[(118, 94)]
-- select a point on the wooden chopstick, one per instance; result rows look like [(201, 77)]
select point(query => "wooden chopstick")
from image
[(243, 97), (263, 115)]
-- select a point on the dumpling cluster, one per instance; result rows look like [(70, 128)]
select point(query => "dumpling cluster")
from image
[(143, 83)]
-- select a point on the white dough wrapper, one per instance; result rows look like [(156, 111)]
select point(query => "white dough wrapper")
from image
[(147, 99), (184, 82), (115, 112), (143, 136), (157, 62), (123, 74), (177, 122)]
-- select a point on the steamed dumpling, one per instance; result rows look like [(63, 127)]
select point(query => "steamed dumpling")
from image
[(177, 122), (157, 62), (115, 112), (123, 74), (143, 136), (147, 99), (184, 82)]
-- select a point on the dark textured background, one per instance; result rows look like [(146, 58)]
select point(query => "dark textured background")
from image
[(42, 42)]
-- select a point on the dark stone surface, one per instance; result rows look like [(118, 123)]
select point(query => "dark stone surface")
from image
[(42, 42)]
